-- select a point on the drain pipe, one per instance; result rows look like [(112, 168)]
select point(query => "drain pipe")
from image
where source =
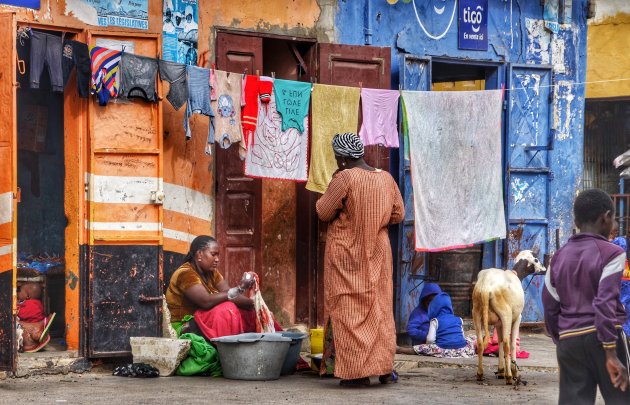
[(367, 23)]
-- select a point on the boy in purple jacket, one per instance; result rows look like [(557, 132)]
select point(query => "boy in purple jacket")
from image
[(583, 313)]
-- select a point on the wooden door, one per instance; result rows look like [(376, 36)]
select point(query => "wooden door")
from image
[(8, 190), (341, 65), (125, 216), (238, 198)]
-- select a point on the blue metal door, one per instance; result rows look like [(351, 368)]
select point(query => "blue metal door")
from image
[(529, 142), (415, 74)]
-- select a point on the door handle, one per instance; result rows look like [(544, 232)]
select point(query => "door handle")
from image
[(149, 300)]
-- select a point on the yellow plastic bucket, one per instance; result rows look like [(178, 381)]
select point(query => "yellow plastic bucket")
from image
[(317, 340)]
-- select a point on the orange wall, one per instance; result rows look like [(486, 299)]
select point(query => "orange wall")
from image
[(185, 163)]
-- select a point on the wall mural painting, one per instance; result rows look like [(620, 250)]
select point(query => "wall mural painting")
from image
[(120, 13), (180, 28), (435, 17)]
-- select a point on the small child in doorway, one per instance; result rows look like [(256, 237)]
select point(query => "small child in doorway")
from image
[(583, 312), (32, 325)]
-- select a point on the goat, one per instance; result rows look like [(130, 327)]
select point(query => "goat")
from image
[(498, 299)]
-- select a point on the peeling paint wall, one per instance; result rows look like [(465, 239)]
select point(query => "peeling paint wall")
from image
[(516, 35), (304, 18), (608, 58)]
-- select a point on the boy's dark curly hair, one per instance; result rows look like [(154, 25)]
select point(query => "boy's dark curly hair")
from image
[(591, 204)]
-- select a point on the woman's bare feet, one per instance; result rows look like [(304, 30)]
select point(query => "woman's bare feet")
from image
[(405, 350)]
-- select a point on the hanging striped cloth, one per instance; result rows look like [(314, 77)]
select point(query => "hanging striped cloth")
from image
[(104, 71)]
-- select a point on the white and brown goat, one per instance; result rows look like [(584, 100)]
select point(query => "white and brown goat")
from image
[(498, 299)]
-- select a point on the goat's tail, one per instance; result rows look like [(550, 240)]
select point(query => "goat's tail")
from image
[(485, 301)]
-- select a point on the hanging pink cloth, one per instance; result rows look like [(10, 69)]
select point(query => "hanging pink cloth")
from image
[(380, 111)]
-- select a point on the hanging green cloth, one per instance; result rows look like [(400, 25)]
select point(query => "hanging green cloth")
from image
[(203, 358)]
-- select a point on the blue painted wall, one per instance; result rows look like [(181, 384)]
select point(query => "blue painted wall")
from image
[(516, 35)]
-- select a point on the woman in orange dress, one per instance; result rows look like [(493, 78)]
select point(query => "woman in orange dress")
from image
[(359, 205)]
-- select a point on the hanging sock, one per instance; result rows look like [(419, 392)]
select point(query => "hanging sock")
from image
[(292, 102), (335, 110), (379, 111), (104, 69)]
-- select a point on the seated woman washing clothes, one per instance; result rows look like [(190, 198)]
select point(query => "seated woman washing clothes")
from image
[(445, 337), (200, 301)]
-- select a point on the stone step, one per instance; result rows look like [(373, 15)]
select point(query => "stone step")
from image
[(51, 362)]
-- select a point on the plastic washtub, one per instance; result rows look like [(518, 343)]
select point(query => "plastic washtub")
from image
[(252, 356), (294, 351)]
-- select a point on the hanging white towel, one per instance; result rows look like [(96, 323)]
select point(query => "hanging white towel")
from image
[(455, 151)]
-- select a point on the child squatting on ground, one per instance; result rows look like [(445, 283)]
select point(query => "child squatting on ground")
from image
[(583, 312), (33, 325)]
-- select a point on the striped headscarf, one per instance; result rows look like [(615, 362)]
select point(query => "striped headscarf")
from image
[(348, 145)]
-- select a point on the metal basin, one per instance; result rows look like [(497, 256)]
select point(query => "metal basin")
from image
[(252, 356)]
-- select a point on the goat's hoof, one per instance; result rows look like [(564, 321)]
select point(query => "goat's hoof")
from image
[(479, 377), (500, 374), (509, 380)]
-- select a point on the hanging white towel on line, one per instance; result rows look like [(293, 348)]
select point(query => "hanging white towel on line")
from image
[(455, 151)]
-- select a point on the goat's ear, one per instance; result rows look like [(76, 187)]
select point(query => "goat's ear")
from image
[(536, 250)]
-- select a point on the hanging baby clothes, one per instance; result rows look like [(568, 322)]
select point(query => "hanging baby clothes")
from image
[(272, 152), (175, 74), (264, 317), (104, 68), (249, 112), (227, 122), (455, 144), (380, 110), (137, 77), (292, 101), (199, 101), (335, 111)]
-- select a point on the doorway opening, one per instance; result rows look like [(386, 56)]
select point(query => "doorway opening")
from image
[(455, 271), (41, 220), (606, 136)]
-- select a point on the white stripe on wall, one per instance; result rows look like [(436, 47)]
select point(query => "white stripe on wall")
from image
[(188, 201), (125, 226), (124, 189), (6, 207), (6, 250), (177, 235)]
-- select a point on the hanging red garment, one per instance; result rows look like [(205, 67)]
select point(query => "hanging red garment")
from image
[(249, 112)]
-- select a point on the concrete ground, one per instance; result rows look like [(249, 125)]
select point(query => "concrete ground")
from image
[(422, 380)]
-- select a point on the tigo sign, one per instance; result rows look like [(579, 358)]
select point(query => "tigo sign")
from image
[(473, 25)]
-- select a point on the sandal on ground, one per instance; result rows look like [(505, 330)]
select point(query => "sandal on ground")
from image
[(47, 322), (39, 346), (389, 378), (357, 382)]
